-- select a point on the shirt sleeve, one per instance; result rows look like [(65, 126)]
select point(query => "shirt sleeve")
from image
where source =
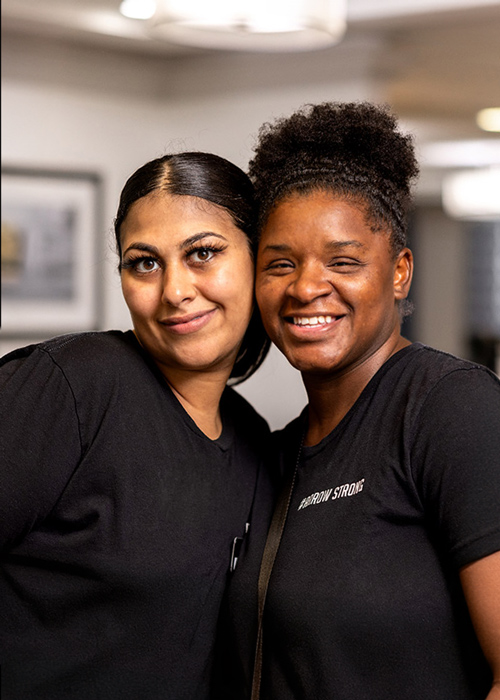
[(457, 457), (39, 442)]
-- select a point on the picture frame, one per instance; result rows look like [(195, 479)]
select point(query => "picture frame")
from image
[(50, 255)]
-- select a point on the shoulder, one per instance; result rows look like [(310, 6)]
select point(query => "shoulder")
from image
[(448, 373), (465, 395), (79, 360), (74, 347), (92, 349), (422, 371), (422, 386), (442, 361)]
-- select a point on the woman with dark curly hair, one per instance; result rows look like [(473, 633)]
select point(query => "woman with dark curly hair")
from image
[(380, 577)]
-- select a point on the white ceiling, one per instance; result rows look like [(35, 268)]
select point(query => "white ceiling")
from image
[(433, 60)]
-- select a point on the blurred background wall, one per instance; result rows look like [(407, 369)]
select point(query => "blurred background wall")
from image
[(101, 99)]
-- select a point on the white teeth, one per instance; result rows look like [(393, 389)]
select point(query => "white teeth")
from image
[(312, 321)]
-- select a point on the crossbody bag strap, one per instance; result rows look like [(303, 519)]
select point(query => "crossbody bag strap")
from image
[(270, 550)]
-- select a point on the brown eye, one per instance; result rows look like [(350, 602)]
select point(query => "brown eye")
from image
[(146, 265), (142, 265), (203, 254)]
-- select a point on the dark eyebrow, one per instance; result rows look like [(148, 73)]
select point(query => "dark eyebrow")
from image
[(153, 250), (333, 245), (199, 236), (144, 247), (278, 247), (338, 245)]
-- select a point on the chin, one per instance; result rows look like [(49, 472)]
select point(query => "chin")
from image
[(310, 366), (318, 370)]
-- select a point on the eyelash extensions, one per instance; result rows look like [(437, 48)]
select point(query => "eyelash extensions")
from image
[(133, 262)]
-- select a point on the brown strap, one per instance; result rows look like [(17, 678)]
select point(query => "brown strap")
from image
[(270, 550)]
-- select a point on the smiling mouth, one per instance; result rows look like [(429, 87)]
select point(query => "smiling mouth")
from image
[(188, 324), (180, 320), (311, 320)]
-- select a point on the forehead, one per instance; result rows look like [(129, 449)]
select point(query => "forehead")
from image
[(319, 222), (168, 208), (319, 217)]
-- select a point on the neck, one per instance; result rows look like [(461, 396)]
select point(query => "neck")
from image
[(199, 394), (332, 396)]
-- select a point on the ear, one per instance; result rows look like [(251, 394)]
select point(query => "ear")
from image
[(403, 273)]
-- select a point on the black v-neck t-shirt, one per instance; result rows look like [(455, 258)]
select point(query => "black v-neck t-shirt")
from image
[(364, 600), (117, 517)]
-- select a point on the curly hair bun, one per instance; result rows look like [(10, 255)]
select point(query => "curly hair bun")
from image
[(353, 149)]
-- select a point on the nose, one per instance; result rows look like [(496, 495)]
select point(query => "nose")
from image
[(178, 285), (309, 283)]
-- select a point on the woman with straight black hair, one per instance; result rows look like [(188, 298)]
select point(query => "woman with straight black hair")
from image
[(129, 468)]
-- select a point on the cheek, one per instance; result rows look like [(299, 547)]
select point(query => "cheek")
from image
[(270, 316), (374, 300), (140, 300), (262, 299), (235, 284), (268, 294)]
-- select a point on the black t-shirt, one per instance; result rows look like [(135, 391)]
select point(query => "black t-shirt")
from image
[(364, 600), (117, 517)]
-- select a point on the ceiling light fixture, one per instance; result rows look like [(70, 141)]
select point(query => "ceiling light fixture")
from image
[(138, 9), (472, 194), (489, 119), (478, 153), (251, 25)]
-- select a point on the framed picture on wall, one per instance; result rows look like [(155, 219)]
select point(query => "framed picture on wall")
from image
[(50, 252)]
